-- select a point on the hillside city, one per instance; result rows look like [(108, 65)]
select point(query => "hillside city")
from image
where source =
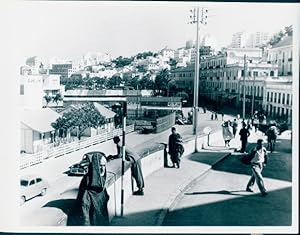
[(71, 107)]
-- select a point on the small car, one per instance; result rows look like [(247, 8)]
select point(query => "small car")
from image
[(78, 169), (32, 186)]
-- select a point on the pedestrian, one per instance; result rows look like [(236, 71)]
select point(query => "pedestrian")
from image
[(92, 195), (272, 133), (227, 133), (216, 116), (222, 116), (249, 127), (134, 159), (175, 147), (244, 133), (234, 127), (258, 162), (212, 116), (238, 117), (204, 109)]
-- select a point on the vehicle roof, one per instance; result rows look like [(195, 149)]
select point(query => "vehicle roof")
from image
[(29, 177)]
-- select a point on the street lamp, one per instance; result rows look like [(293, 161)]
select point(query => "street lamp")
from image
[(196, 20)]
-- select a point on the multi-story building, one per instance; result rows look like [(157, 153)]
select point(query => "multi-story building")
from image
[(168, 53), (239, 40), (96, 58), (278, 97), (282, 55), (257, 39), (34, 88), (62, 69)]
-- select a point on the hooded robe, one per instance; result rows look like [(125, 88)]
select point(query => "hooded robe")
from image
[(92, 194)]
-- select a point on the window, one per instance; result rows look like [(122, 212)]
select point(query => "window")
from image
[(38, 180), (22, 89), (275, 97), (272, 73), (279, 98), (288, 99), (268, 94), (283, 98), (271, 97), (31, 182), (255, 73)]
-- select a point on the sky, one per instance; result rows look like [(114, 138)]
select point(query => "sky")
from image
[(68, 29)]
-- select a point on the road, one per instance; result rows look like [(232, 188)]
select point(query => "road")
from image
[(55, 170), (219, 197)]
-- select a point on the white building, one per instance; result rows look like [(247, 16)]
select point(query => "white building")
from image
[(257, 39), (282, 54), (168, 53), (36, 129), (33, 89), (278, 97), (95, 58), (239, 40)]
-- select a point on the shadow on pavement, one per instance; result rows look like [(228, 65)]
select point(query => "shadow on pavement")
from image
[(71, 209), (247, 210), (235, 192), (279, 163)]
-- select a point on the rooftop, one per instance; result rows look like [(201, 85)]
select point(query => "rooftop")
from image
[(39, 119)]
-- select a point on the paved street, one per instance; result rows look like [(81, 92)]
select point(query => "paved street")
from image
[(55, 170), (219, 197)]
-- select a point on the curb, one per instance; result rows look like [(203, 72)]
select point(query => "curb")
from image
[(178, 194)]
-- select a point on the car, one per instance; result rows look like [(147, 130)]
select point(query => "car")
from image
[(32, 186), (78, 169)]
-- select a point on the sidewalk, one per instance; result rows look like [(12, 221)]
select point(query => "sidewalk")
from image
[(164, 186)]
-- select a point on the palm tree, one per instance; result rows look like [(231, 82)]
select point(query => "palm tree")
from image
[(47, 98), (57, 98)]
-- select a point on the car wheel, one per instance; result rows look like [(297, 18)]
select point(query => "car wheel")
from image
[(22, 200), (43, 192)]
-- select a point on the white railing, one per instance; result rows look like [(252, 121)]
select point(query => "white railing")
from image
[(53, 152)]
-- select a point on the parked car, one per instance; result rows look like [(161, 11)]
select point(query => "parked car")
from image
[(80, 168), (32, 186)]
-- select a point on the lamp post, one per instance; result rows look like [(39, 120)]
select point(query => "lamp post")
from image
[(196, 20), (244, 87), (253, 95)]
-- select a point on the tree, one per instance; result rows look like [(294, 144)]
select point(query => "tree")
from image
[(80, 118), (146, 83), (114, 81), (57, 98), (121, 62), (161, 82), (47, 98)]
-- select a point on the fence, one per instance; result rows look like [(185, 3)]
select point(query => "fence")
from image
[(52, 152)]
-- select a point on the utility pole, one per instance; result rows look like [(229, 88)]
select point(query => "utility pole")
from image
[(196, 20), (244, 87), (253, 95)]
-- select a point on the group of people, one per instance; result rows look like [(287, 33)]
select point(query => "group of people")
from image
[(93, 197)]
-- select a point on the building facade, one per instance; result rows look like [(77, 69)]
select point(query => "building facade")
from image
[(34, 88), (282, 55), (61, 69)]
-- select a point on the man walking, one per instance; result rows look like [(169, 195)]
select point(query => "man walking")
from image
[(234, 127), (175, 147), (134, 158), (258, 161), (244, 133), (272, 136)]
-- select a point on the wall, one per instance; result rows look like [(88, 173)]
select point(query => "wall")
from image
[(150, 163)]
